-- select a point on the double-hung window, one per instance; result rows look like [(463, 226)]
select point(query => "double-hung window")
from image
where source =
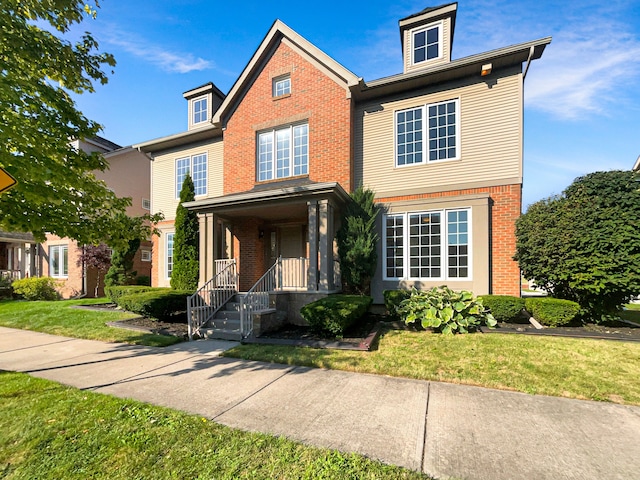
[(169, 258), (58, 261), (426, 43), (428, 133), (431, 245), (283, 152), (281, 86), (200, 110), (196, 166)]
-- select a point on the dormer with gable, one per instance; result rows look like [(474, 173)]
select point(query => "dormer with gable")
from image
[(203, 102), (427, 37)]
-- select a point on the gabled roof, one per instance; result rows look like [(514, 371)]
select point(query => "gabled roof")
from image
[(276, 33), (428, 15), (177, 139), (636, 166)]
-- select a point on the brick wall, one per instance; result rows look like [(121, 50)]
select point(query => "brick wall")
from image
[(505, 207), (249, 251), (158, 255), (314, 98), (72, 285)]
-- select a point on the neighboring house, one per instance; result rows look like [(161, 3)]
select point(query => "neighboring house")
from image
[(274, 161), (128, 175), (18, 255)]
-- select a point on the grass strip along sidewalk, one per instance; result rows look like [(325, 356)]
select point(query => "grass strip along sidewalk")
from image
[(58, 318), (50, 431)]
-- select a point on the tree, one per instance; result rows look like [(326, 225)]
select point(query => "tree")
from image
[(357, 241), (39, 70), (97, 257), (121, 271), (185, 273), (584, 245)]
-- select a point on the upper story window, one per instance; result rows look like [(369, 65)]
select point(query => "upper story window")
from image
[(146, 204), (59, 261), (432, 245), (200, 110), (196, 166), (428, 133), (281, 86), (426, 43), (283, 152)]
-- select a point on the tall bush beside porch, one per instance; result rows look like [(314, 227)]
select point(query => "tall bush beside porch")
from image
[(186, 241)]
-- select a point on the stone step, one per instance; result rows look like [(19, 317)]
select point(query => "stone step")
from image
[(224, 323), (232, 307), (227, 314), (221, 334)]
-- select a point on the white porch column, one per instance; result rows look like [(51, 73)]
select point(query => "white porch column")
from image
[(206, 255), (33, 253), (312, 273), (326, 245), (21, 253)]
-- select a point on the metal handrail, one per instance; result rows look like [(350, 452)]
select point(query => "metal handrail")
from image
[(257, 298), (203, 305)]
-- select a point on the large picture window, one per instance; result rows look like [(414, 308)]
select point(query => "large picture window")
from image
[(58, 261), (196, 166), (427, 245), (283, 152), (428, 133)]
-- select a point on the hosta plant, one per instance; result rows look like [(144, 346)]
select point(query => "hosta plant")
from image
[(445, 310)]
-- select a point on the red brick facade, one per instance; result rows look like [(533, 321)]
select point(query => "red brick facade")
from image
[(505, 209), (315, 98)]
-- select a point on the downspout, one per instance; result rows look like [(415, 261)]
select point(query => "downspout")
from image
[(526, 68), (83, 293)]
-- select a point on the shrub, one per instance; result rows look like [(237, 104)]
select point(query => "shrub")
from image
[(392, 300), (552, 312), (334, 314), (504, 308), (162, 304), (144, 280), (445, 311), (36, 288), (114, 292), (186, 267)]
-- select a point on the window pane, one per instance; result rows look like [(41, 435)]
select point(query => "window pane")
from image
[(200, 110), (182, 168), (458, 243), (265, 156), (427, 234), (301, 150), (65, 260), (169, 254), (442, 140), (394, 251), (282, 87), (200, 174), (283, 153), (409, 137)]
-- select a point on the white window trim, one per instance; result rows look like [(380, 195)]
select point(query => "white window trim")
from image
[(277, 80), (445, 251), (145, 255), (412, 33), (166, 254), (193, 109), (425, 134), (274, 159), (59, 274), (190, 158)]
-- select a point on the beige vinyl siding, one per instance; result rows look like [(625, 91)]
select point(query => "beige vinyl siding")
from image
[(490, 139), (163, 171), (446, 48)]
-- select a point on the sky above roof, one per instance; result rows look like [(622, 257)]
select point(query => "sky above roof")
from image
[(582, 98)]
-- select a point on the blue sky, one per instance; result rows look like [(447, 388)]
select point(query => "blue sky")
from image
[(582, 99)]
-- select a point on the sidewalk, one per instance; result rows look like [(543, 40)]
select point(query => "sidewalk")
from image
[(442, 429)]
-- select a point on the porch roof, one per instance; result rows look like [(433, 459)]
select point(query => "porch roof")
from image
[(16, 236), (256, 199)]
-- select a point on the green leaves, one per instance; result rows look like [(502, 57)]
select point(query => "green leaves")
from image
[(186, 267), (445, 310)]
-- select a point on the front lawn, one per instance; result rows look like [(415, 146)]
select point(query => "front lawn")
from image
[(58, 318), (51, 431), (602, 370)]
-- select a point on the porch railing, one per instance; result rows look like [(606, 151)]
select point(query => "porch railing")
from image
[(11, 274), (292, 273), (203, 305)]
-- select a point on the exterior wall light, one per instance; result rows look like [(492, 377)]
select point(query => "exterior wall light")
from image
[(486, 69)]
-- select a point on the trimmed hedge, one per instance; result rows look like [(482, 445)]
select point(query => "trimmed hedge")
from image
[(36, 288), (162, 304), (392, 300), (552, 312), (334, 314), (505, 308), (114, 292)]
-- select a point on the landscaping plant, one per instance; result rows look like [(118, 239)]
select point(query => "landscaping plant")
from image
[(185, 273), (36, 288), (445, 310), (504, 308), (334, 314), (552, 312)]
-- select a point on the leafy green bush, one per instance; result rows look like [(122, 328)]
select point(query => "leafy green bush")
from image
[(163, 304), (552, 312), (504, 308), (445, 311), (334, 314), (36, 288), (144, 280), (114, 292), (5, 287), (392, 300)]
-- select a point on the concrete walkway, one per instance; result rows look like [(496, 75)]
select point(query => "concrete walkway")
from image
[(442, 429)]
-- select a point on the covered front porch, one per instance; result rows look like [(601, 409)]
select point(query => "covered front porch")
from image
[(268, 241), (18, 255)]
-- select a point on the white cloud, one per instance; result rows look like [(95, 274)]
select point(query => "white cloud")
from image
[(169, 61)]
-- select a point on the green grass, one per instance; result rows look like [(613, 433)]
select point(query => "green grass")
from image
[(50, 431), (58, 318), (632, 312), (602, 370)]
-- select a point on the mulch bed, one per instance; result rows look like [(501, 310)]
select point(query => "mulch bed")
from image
[(612, 331)]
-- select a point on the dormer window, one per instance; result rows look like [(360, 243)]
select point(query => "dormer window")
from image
[(200, 110), (426, 43), (282, 86)]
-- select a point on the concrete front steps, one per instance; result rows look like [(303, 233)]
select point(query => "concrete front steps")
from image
[(225, 325)]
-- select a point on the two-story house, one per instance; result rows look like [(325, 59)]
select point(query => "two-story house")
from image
[(128, 175), (274, 160)]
